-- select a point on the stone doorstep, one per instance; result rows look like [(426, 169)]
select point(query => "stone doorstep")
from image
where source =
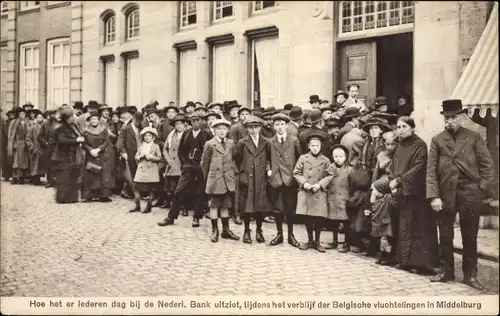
[(487, 243)]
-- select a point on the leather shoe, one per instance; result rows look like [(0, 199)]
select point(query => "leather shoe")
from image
[(237, 220), (441, 277), (343, 248), (320, 247), (147, 209), (293, 242), (165, 205), (228, 234), (331, 245), (475, 284), (307, 245), (278, 239), (137, 208), (259, 237), (196, 222), (247, 239), (215, 235), (166, 222)]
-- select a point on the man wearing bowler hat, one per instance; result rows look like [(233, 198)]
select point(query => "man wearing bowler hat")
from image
[(460, 172), (295, 115), (315, 101)]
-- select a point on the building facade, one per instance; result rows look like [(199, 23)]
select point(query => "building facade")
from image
[(36, 53)]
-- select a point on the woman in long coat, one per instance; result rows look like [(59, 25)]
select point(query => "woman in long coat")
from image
[(37, 170), (17, 148), (66, 164), (97, 184), (417, 233), (44, 137)]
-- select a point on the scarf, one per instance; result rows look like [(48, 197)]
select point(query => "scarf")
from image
[(94, 130)]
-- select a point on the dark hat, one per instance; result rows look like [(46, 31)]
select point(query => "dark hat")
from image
[(65, 113), (314, 98), (379, 101), (124, 109), (350, 113), (179, 118), (334, 107), (19, 109), (35, 111), (452, 107), (325, 107), (378, 122), (340, 92), (150, 110), (315, 135), (202, 108), (105, 107), (288, 107), (148, 107), (403, 96), (220, 122), (28, 105), (258, 111), (344, 148), (295, 113), (190, 104), (212, 113), (9, 112), (78, 105), (268, 112), (252, 120), (215, 103), (315, 116), (325, 102), (280, 117), (244, 108), (115, 112), (197, 103), (172, 107), (196, 115), (92, 104), (93, 114), (333, 122), (232, 104), (391, 119)]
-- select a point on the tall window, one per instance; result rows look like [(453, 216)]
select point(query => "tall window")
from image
[(58, 55), (223, 9), (224, 80), (358, 16), (28, 73), (110, 29), (133, 82), (262, 5), (133, 24), (3, 74), (188, 86), (110, 88), (188, 13), (26, 5), (265, 72)]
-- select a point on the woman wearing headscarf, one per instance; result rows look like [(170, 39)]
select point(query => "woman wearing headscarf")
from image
[(66, 164), (417, 233), (97, 180)]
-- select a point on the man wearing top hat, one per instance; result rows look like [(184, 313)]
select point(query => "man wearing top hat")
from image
[(314, 101), (317, 123), (460, 172)]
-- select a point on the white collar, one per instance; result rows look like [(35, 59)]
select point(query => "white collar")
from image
[(284, 136), (219, 139)]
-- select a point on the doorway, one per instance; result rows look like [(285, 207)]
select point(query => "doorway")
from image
[(395, 67)]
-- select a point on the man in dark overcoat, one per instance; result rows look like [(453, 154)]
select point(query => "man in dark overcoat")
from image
[(460, 172)]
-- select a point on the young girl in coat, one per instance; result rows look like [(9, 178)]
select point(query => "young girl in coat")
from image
[(338, 194), (383, 203), (312, 175), (147, 176)]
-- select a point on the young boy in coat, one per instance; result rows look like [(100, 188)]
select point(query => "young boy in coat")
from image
[(219, 171), (312, 175), (283, 152)]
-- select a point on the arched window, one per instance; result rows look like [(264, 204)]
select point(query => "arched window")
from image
[(110, 29), (132, 25)]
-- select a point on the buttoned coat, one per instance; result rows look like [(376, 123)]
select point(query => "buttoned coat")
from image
[(218, 167), (283, 158), (252, 179), (171, 154), (237, 132), (354, 141), (448, 157), (148, 170), (326, 145), (312, 170), (17, 148), (128, 142), (338, 192), (35, 152)]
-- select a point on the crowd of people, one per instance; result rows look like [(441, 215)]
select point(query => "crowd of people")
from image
[(355, 170)]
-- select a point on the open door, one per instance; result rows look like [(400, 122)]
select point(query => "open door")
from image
[(358, 64)]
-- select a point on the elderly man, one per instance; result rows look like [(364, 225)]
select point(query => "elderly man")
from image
[(460, 171)]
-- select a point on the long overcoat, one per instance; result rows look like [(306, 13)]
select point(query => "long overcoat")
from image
[(148, 170), (44, 136), (312, 170), (218, 167), (338, 192), (105, 179), (35, 151), (17, 148), (448, 157), (283, 158), (252, 180), (326, 145), (171, 154), (128, 142)]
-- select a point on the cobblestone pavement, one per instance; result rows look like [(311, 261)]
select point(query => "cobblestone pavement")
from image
[(94, 249)]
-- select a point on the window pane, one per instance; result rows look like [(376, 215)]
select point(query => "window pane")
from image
[(36, 57), (27, 57), (66, 54), (28, 79)]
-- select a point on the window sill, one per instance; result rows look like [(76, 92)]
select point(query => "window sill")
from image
[(227, 19), (128, 40), (390, 30), (265, 11), (110, 44), (188, 28), (57, 5), (29, 10)]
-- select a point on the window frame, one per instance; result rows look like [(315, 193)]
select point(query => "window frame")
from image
[(107, 32), (4, 10), (382, 18), (129, 27), (33, 69), (262, 9), (186, 15), (28, 5), (221, 8), (51, 66)]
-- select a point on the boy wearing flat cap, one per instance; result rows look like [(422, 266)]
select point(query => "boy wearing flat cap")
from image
[(219, 171), (283, 152)]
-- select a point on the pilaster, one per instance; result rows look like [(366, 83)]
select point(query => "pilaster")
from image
[(76, 47), (12, 48)]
